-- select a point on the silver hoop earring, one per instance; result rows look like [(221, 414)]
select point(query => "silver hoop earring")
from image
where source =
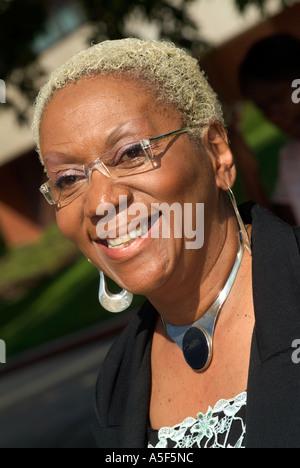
[(242, 226), (114, 303)]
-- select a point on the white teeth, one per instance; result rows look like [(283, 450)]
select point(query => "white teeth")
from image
[(144, 228), (124, 241), (135, 234), (118, 241)]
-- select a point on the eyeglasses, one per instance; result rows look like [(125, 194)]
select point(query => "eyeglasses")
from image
[(130, 159)]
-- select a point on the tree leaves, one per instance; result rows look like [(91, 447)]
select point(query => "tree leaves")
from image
[(243, 5), (22, 21)]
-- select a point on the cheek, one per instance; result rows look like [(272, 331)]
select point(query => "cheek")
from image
[(185, 178), (70, 223), (167, 184)]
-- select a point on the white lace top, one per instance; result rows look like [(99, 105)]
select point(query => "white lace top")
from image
[(223, 426)]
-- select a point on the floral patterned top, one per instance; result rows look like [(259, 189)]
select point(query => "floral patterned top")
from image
[(223, 426)]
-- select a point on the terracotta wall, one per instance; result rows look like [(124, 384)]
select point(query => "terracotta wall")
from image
[(23, 212)]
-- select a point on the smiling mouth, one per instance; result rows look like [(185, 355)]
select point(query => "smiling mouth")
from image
[(127, 239)]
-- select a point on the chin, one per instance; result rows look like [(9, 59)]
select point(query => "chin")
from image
[(145, 282), (143, 274)]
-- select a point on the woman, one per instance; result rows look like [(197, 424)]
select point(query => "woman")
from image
[(134, 124)]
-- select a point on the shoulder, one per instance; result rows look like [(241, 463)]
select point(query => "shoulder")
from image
[(297, 235), (269, 229), (275, 247), (273, 377), (275, 276), (137, 332)]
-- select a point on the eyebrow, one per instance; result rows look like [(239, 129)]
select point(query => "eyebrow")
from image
[(119, 131), (112, 138), (56, 154)]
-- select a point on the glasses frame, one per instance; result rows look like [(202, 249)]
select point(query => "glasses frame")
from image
[(45, 189)]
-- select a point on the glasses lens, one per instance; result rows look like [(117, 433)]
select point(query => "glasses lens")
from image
[(73, 182), (126, 159), (68, 187)]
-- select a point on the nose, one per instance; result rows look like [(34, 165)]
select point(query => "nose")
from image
[(104, 190)]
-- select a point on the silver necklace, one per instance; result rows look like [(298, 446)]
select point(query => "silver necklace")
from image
[(196, 340)]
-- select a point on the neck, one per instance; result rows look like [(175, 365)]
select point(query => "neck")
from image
[(194, 290)]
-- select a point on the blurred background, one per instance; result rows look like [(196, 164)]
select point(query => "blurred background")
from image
[(56, 334)]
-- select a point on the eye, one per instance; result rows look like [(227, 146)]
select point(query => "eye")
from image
[(132, 154), (69, 179)]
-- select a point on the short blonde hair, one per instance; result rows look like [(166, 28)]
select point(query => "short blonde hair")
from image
[(175, 75)]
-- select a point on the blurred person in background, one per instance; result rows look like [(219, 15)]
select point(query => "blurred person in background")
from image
[(266, 76)]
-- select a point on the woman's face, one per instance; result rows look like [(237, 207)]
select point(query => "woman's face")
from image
[(85, 120)]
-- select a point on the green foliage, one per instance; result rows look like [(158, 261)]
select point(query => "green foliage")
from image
[(171, 19), (54, 307), (48, 290), (27, 265)]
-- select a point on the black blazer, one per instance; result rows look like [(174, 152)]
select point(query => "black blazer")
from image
[(273, 403)]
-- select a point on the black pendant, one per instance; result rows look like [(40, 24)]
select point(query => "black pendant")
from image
[(196, 340), (196, 348)]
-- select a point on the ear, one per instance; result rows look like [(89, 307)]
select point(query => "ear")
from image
[(217, 146)]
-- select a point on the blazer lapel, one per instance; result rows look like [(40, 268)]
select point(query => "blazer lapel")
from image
[(124, 386), (273, 410)]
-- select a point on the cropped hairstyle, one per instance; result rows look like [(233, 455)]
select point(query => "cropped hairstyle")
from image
[(174, 76)]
